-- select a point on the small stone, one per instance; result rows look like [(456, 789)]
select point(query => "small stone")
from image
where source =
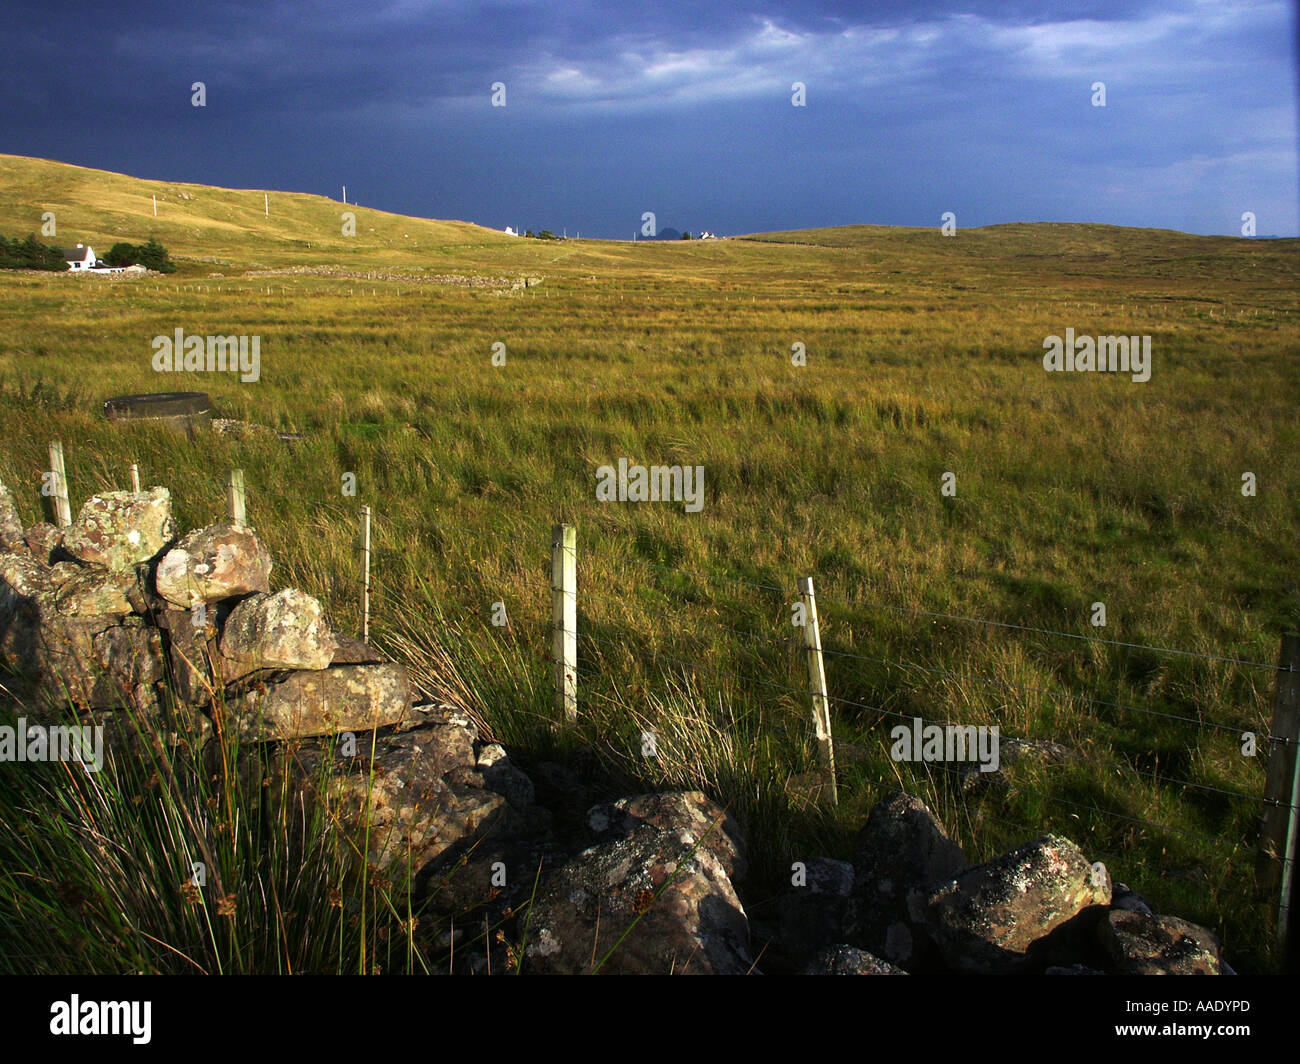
[(11, 525), (43, 540)]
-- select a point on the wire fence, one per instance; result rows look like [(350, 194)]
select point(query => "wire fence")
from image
[(1192, 817), (1080, 763)]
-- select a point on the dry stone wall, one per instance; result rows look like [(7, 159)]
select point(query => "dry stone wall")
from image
[(128, 622), (115, 613)]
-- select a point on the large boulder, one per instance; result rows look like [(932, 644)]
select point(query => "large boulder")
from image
[(409, 796), (1142, 944), (286, 630), (692, 812), (657, 900), (214, 563), (11, 525), (320, 702), (903, 849), (988, 919), (120, 529)]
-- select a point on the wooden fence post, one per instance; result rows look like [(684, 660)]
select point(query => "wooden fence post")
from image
[(135, 478), (365, 574), (236, 501), (564, 620), (821, 704), (1279, 826), (62, 507)]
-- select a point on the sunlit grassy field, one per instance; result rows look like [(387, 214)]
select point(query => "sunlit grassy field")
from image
[(924, 357)]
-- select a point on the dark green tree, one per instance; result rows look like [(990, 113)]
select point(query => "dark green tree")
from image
[(153, 256), (122, 254), (30, 254)]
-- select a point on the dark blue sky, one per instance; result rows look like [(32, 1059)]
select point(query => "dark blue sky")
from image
[(913, 108)]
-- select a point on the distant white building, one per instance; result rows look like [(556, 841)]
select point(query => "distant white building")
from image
[(81, 257), (510, 231), (706, 235)]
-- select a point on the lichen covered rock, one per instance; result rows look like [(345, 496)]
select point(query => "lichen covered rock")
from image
[(842, 959), (1142, 944), (401, 793), (286, 630), (11, 525), (662, 884), (95, 592), (120, 529), (214, 563), (988, 918), (903, 849), (320, 702)]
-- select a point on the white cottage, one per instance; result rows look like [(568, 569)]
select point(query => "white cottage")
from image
[(82, 257)]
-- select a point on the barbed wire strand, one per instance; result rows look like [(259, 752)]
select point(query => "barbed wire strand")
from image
[(1049, 692), (803, 692), (1050, 632), (1156, 777), (862, 604)]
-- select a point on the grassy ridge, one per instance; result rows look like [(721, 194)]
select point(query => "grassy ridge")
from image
[(210, 224), (924, 357)]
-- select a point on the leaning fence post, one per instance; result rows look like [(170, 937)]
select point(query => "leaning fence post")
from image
[(135, 478), (821, 704), (1279, 825), (62, 508), (365, 574), (236, 501), (564, 619)]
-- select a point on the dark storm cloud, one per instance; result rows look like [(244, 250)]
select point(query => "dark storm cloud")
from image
[(913, 108)]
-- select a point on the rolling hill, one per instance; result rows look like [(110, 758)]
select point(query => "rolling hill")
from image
[(200, 222), (207, 228)]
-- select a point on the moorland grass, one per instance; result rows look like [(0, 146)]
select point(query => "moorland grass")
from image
[(923, 358)]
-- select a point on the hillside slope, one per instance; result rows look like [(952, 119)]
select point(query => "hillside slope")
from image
[(206, 223), (205, 227)]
